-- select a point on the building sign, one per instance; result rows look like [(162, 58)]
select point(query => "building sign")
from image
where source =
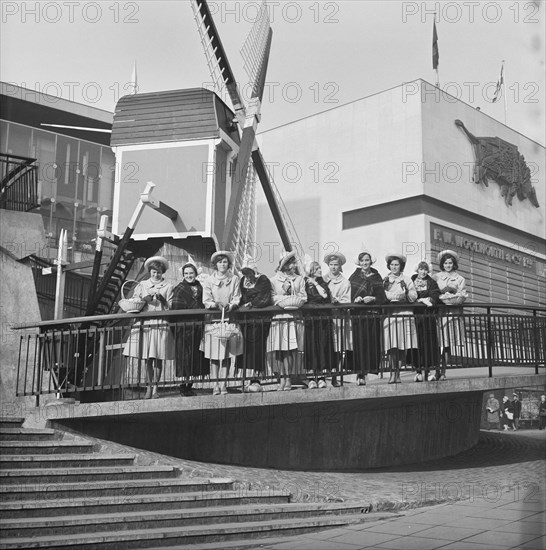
[(446, 238)]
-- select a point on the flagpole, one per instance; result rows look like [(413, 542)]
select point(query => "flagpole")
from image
[(504, 90), (435, 52)]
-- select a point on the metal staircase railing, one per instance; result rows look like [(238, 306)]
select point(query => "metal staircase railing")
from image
[(19, 183)]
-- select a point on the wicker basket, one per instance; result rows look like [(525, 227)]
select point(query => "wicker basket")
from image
[(223, 330), (291, 302), (130, 305)]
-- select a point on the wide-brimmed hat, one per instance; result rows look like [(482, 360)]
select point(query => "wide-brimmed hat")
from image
[(335, 256), (159, 259), (364, 251), (397, 255), (445, 253), (284, 258), (227, 253)]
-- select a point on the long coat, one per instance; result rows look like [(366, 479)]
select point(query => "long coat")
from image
[(221, 290), (425, 321), (399, 329), (319, 350), (189, 331), (366, 323), (453, 292), (255, 328), (152, 339)]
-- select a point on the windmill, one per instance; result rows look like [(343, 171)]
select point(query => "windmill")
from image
[(240, 218)]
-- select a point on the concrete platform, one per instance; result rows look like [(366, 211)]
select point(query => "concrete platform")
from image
[(336, 429)]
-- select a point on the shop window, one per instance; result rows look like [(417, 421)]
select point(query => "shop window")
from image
[(18, 140), (43, 149), (67, 167)]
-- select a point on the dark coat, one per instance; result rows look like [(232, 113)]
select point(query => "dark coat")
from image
[(313, 295), (259, 295), (432, 290), (186, 296), (370, 285)]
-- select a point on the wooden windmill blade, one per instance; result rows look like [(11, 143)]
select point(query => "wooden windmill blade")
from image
[(255, 51), (215, 53)]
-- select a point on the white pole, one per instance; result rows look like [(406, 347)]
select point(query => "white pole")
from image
[(61, 262)]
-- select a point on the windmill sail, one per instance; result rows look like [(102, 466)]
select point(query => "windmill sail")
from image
[(255, 52)]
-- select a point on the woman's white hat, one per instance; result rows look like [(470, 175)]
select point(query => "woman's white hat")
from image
[(227, 253), (159, 259), (445, 253), (284, 258), (335, 256), (401, 257)]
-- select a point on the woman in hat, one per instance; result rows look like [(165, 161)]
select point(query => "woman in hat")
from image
[(399, 333), (221, 343), (188, 332), (453, 292), (152, 340), (428, 296), (319, 351), (286, 337), (367, 290), (255, 291), (340, 289)]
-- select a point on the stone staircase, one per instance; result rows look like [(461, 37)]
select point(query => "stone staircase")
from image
[(62, 493)]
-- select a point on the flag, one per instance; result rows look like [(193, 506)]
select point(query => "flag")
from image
[(133, 83), (435, 51), (500, 83)]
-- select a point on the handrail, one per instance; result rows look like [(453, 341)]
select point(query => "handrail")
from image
[(273, 310)]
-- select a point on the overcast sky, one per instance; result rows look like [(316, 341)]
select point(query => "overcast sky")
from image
[(323, 54)]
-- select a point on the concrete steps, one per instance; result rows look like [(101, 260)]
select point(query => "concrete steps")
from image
[(18, 462), (192, 534), (125, 487), (72, 475), (66, 525), (11, 422), (63, 493), (44, 447), (27, 434)]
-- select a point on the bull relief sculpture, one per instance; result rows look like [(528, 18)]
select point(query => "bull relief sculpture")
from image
[(501, 161)]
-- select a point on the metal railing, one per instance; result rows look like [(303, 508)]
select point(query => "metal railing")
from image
[(18, 183), (74, 355)]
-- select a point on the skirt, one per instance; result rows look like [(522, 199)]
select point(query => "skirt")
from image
[(286, 333), (151, 340), (451, 329), (399, 331), (218, 345)]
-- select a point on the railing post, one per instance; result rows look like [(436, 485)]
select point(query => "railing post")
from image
[(489, 343), (536, 334)]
